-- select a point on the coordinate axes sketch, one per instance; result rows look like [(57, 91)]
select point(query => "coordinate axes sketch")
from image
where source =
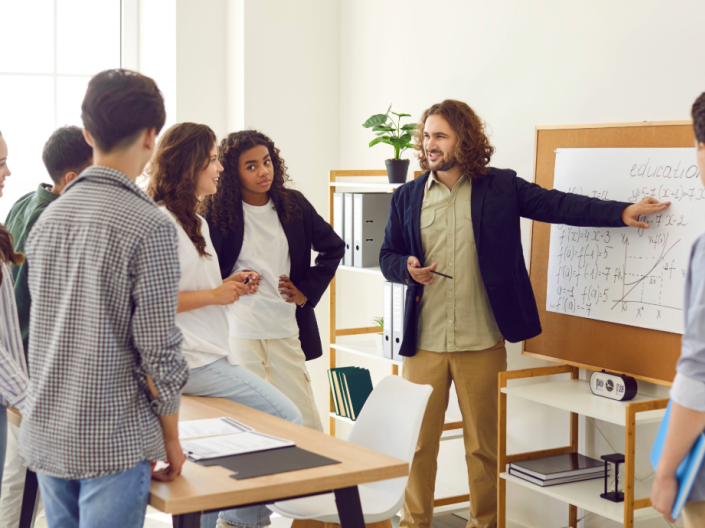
[(627, 275)]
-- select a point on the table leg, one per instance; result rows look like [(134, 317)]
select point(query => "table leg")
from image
[(187, 520), (349, 508), (29, 499)]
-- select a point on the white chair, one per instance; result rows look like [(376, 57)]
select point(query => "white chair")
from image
[(389, 423)]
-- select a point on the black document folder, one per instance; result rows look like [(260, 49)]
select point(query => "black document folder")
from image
[(270, 462)]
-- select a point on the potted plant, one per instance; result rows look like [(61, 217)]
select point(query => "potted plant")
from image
[(397, 135), (379, 338)]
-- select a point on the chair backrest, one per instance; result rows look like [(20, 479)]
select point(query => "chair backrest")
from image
[(390, 420)]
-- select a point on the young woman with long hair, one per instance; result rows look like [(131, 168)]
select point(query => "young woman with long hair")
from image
[(13, 365), (258, 223), (184, 170)]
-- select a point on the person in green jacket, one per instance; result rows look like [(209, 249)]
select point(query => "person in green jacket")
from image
[(66, 154)]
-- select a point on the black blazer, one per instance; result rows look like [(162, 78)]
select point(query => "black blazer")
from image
[(303, 234), (498, 201)]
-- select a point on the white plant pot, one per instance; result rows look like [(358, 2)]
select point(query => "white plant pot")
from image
[(379, 340)]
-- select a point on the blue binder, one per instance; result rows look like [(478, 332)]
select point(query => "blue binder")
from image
[(688, 470)]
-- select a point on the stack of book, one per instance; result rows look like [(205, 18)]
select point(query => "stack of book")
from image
[(350, 387), (560, 469)]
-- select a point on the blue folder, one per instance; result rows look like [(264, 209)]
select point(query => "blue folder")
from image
[(689, 468)]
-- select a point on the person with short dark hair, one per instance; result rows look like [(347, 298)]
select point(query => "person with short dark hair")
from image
[(463, 216), (687, 420), (104, 348), (66, 154)]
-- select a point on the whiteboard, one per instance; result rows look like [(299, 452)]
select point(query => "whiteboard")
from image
[(626, 275)]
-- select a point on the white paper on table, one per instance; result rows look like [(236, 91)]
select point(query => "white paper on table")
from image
[(625, 275), (234, 444), (211, 427)]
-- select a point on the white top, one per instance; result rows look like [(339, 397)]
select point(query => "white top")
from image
[(205, 330), (265, 249)]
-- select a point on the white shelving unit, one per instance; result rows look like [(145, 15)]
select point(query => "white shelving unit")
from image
[(445, 502), (574, 396)]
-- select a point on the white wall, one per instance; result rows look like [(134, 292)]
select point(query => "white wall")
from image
[(521, 64)]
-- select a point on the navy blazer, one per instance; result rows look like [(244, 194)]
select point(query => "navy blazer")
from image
[(497, 202), (303, 234)]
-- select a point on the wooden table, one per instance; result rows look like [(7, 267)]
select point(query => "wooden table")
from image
[(202, 489)]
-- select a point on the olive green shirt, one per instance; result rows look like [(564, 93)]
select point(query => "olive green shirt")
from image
[(455, 314), (20, 220)]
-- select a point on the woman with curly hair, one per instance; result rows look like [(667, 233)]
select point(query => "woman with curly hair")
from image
[(184, 170), (258, 223), (14, 382)]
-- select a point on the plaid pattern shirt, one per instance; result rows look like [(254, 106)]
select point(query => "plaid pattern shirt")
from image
[(103, 276)]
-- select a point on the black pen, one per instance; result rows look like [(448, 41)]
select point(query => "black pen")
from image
[(437, 273)]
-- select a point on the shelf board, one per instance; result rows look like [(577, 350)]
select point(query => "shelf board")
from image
[(374, 270), (447, 435), (575, 396), (366, 349), (586, 495), (372, 185)]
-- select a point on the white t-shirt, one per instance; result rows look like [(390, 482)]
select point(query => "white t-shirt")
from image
[(205, 330), (265, 249)]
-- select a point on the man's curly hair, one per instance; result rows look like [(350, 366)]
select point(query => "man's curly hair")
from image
[(473, 150), (223, 208), (698, 113)]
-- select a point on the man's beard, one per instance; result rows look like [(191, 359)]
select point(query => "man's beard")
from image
[(444, 164)]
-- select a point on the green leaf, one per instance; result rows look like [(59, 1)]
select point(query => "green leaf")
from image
[(402, 115), (388, 109), (406, 137), (375, 120), (381, 134), (399, 142), (383, 128), (383, 139), (409, 126)]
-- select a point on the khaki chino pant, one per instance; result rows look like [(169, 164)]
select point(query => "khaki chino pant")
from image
[(694, 514), (475, 375), (282, 363)]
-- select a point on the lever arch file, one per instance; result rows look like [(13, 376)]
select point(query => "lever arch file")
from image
[(348, 228), (398, 302), (388, 323), (370, 214)]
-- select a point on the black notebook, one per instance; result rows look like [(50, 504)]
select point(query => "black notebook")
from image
[(560, 466), (271, 462), (556, 481)]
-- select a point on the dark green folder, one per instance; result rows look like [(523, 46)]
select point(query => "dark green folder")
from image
[(358, 386)]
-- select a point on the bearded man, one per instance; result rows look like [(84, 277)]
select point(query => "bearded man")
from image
[(462, 218)]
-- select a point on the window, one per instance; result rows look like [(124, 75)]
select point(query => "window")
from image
[(50, 50)]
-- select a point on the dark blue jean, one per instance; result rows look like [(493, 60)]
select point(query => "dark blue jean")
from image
[(114, 501)]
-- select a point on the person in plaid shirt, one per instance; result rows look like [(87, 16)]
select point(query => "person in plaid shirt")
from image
[(104, 348)]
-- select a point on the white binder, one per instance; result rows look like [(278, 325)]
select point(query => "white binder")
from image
[(348, 228), (388, 323), (398, 306), (338, 214)]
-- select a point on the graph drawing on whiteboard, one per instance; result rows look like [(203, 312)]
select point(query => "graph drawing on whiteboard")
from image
[(627, 275)]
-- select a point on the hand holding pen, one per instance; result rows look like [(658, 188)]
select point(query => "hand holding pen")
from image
[(248, 277), (425, 275)]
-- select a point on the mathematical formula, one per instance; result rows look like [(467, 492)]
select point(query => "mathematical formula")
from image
[(626, 275)]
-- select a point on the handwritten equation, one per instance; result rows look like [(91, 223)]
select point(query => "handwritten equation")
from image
[(627, 275)]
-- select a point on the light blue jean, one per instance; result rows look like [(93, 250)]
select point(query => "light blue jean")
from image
[(220, 379), (3, 438), (114, 501)]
